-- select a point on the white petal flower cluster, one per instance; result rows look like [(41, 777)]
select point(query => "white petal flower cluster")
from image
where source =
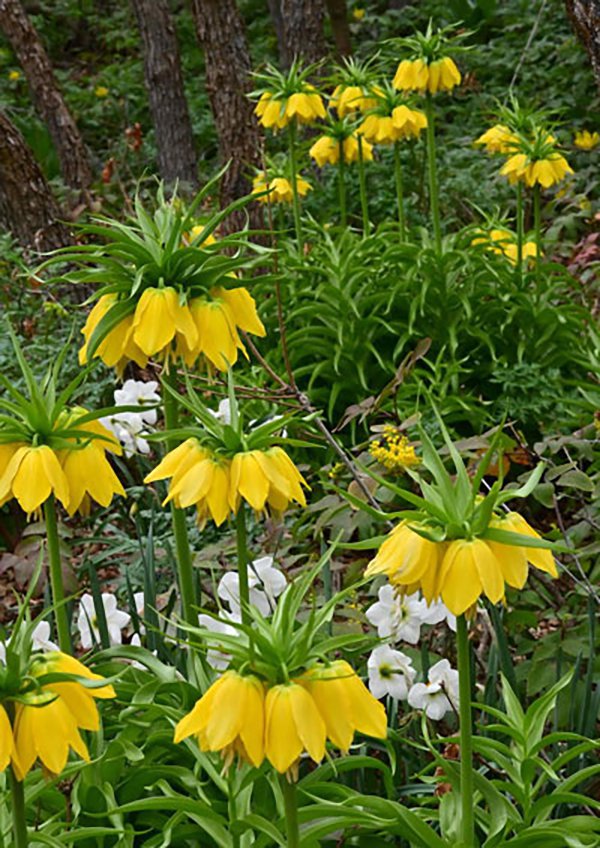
[(265, 581), (40, 640), (87, 620), (399, 618), (131, 427)]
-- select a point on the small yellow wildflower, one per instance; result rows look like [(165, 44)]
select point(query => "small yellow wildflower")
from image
[(14, 76), (101, 91), (586, 140), (358, 14), (395, 451)]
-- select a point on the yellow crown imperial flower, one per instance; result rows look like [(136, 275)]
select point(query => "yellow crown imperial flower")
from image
[(31, 475), (326, 150), (419, 75), (276, 111), (586, 140), (279, 188), (230, 717), (503, 242), (401, 122), (216, 484), (47, 721), (545, 172), (498, 139), (347, 99)]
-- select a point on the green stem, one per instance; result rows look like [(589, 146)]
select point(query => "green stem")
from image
[(182, 543), (342, 183), (290, 801), (242, 558), (399, 191), (433, 184), (18, 811), (537, 223), (295, 196), (232, 805), (56, 577), (519, 228), (466, 743), (362, 182)]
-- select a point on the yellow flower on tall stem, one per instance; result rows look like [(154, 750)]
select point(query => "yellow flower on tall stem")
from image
[(586, 140), (431, 77), (279, 188)]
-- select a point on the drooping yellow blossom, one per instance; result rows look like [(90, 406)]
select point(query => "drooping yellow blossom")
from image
[(461, 570), (358, 14), (586, 140), (401, 123), (162, 325), (216, 485), (7, 745), (344, 702), (47, 722), (293, 724), (241, 715), (503, 242), (230, 717), (101, 91), (418, 75), (351, 98), (395, 451), (498, 139), (545, 172), (279, 188), (277, 112), (326, 150), (31, 475)]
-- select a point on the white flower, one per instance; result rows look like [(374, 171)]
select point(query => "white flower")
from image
[(139, 393), (390, 673), (223, 413), (3, 653), (216, 658), (41, 638), (437, 612), (87, 622), (397, 617), (265, 583), (439, 695)]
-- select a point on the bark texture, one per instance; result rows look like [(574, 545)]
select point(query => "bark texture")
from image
[(46, 95), (338, 14), (276, 17), (585, 17), (303, 29), (222, 36), (164, 84), (28, 208)]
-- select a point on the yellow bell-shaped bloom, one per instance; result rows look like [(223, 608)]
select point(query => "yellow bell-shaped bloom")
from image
[(326, 150), (242, 307), (417, 75), (498, 139), (541, 558), (293, 724), (89, 475), (306, 106), (178, 461), (7, 745), (470, 569), (545, 172), (117, 347), (586, 140), (159, 317), (45, 729), (350, 98), (345, 703), (31, 475), (411, 75), (271, 112), (230, 717), (265, 478), (401, 123)]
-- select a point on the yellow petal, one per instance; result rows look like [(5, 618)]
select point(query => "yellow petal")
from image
[(195, 721), (6, 739), (332, 701), (368, 714), (252, 483), (309, 723), (252, 732), (243, 308), (460, 581), (283, 745), (153, 323), (226, 713), (178, 461)]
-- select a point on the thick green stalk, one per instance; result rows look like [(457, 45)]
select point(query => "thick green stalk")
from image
[(295, 197), (185, 570), (56, 577), (342, 183), (235, 837), (537, 223), (467, 823), (434, 203), (519, 228), (362, 182), (18, 811), (242, 558), (290, 801), (399, 191)]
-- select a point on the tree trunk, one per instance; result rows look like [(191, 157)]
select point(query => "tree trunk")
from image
[(585, 17), (27, 206), (338, 14), (46, 95), (275, 11), (164, 84), (303, 29), (222, 36)]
